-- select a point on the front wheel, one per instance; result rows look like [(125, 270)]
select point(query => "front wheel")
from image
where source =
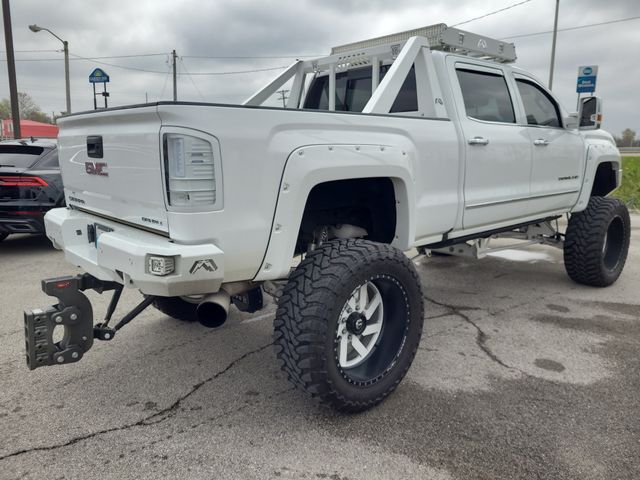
[(597, 242), (349, 323)]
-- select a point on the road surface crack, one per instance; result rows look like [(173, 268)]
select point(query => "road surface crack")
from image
[(153, 419), (481, 336)]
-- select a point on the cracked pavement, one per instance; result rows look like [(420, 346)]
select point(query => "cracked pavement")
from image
[(520, 374)]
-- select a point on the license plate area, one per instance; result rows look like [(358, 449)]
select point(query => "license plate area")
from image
[(95, 230)]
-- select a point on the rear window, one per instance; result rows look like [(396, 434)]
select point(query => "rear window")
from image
[(353, 91), (19, 156)]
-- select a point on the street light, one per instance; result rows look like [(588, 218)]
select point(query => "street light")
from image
[(35, 28)]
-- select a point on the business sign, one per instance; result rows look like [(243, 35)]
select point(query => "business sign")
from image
[(587, 79), (98, 76)]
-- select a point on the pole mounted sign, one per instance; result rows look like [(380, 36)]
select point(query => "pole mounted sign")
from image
[(99, 76), (587, 79)]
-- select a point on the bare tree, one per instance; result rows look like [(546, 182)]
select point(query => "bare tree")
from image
[(628, 137), (29, 109)]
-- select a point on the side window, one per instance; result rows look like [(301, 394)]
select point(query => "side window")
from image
[(486, 96), (407, 99), (539, 107), (353, 91)]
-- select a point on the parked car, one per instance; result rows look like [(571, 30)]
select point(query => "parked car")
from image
[(30, 185)]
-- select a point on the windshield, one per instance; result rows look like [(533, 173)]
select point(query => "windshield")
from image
[(19, 156)]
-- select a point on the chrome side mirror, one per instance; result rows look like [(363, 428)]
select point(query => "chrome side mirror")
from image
[(590, 113)]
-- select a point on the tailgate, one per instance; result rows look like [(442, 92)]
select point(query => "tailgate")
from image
[(111, 165)]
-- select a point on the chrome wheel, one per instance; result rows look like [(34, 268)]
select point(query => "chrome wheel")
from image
[(360, 325)]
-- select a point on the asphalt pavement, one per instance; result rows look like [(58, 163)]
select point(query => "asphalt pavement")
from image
[(521, 374)]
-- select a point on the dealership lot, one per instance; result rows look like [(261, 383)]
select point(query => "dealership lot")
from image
[(521, 374)]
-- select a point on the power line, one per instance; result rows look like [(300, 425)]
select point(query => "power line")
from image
[(191, 78), (491, 13), (164, 86), (236, 72), (31, 51), (241, 71), (628, 19), (116, 65), (240, 57)]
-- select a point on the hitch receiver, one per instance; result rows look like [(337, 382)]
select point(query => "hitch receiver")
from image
[(73, 313)]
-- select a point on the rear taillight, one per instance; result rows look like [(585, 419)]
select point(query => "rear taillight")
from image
[(190, 170), (22, 182)]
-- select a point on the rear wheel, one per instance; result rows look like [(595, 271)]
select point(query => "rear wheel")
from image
[(597, 242), (349, 323)]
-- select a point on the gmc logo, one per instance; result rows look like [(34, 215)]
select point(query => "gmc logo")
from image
[(96, 168)]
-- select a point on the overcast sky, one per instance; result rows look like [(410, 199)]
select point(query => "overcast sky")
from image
[(252, 28)]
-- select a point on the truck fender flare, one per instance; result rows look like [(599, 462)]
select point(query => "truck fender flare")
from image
[(311, 165), (597, 153)]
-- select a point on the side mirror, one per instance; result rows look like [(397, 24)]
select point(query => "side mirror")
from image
[(590, 113)]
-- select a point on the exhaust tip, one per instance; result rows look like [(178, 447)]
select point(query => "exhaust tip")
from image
[(212, 312)]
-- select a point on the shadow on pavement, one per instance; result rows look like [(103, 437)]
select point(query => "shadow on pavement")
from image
[(25, 244)]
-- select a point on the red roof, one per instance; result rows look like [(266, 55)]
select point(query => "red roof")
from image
[(30, 128)]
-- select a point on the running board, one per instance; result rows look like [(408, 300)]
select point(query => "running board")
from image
[(539, 233)]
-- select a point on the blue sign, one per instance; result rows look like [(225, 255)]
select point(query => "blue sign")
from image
[(587, 76), (98, 76)]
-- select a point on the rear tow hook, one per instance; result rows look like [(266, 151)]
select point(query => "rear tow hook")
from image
[(74, 314)]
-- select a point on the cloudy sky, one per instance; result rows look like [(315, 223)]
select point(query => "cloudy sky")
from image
[(277, 32)]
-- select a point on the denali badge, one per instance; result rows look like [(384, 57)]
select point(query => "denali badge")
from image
[(208, 264), (96, 168)]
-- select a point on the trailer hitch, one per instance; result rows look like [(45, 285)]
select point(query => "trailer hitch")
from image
[(74, 314)]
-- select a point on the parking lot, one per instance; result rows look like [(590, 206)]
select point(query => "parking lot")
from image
[(521, 374)]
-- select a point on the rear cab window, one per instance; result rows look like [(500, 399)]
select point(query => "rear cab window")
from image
[(353, 91), (486, 95), (20, 156)]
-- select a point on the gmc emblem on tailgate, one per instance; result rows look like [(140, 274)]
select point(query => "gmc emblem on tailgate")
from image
[(96, 168)]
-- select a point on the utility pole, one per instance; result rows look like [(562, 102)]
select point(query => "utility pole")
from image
[(11, 67), (67, 85), (175, 77), (553, 45), (283, 97)]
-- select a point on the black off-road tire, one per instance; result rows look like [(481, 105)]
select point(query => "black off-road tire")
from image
[(177, 308), (308, 313), (597, 242)]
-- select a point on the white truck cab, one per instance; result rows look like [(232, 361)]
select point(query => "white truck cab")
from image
[(427, 139)]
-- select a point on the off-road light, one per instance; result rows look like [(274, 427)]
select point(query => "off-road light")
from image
[(157, 265)]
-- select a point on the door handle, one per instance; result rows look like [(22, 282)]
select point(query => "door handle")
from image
[(478, 141), (541, 142)]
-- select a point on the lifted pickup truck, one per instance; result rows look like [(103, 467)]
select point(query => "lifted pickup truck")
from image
[(425, 139)]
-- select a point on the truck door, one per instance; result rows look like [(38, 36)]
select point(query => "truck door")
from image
[(558, 153), (498, 150)]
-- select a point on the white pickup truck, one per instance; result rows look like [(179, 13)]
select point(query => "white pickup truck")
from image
[(426, 139)]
